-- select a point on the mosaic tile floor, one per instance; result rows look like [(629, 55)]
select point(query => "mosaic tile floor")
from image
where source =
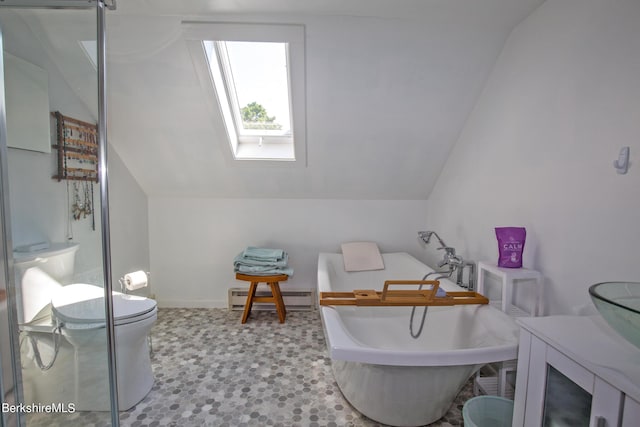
[(210, 370)]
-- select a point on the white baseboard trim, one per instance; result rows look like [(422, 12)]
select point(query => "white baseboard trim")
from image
[(199, 303), (294, 299)]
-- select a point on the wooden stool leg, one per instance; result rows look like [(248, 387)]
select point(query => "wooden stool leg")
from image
[(249, 303), (277, 299)]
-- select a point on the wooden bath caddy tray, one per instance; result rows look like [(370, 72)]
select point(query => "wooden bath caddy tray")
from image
[(404, 297)]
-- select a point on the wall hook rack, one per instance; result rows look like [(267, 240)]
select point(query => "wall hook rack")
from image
[(77, 149)]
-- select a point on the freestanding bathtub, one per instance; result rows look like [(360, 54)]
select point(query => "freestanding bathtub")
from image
[(386, 374)]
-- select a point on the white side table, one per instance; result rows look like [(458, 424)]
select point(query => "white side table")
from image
[(509, 277), (497, 384)]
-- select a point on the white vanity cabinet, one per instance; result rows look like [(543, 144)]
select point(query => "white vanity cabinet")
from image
[(575, 371), (631, 413)]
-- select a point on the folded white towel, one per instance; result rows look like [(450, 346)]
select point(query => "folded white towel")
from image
[(361, 256)]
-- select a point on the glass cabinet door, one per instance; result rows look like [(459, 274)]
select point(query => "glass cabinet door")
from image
[(566, 404), (559, 392)]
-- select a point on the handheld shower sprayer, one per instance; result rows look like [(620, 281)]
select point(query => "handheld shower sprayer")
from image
[(425, 236)]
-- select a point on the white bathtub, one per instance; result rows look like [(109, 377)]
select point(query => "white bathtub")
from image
[(385, 373)]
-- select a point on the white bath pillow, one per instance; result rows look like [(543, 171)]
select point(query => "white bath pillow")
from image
[(361, 256)]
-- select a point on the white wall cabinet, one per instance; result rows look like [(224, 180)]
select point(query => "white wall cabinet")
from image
[(575, 371), (27, 100)]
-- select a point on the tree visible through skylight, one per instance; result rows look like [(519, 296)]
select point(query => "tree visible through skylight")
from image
[(254, 116), (260, 81)]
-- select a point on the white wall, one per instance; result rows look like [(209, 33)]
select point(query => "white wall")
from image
[(39, 213), (129, 223), (39, 204), (394, 84), (537, 151), (193, 241), (39, 210)]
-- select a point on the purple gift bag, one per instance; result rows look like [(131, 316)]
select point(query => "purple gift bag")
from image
[(510, 246)]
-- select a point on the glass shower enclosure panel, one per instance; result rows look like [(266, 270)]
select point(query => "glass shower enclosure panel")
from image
[(55, 369)]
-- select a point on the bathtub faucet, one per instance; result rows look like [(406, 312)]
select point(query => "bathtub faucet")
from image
[(450, 258), (454, 263), (457, 264)]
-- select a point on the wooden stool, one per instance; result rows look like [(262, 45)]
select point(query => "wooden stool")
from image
[(276, 296)]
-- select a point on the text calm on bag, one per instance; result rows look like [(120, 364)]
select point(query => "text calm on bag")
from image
[(510, 246)]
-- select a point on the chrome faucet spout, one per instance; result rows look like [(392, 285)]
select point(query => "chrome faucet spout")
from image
[(450, 258)]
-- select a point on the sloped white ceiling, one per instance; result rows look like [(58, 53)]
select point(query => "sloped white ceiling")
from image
[(390, 84)]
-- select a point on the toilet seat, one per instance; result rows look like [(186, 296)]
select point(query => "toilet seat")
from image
[(81, 306)]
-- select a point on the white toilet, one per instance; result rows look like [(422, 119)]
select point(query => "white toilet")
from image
[(48, 306)]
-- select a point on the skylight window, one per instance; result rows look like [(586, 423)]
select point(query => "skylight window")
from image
[(254, 82), (258, 72), (257, 76)]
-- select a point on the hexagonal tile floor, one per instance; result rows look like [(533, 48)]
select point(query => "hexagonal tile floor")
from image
[(210, 370)]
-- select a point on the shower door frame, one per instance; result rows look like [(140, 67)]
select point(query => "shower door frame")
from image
[(6, 247)]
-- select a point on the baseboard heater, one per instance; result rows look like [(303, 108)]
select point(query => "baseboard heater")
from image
[(294, 299)]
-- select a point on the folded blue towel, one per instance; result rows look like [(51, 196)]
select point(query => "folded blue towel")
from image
[(441, 293), (263, 254), (262, 262), (242, 260), (263, 271)]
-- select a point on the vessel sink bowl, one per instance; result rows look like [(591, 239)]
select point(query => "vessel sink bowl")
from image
[(619, 305)]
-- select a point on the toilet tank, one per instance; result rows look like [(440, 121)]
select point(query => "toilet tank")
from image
[(58, 261), (39, 274)]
